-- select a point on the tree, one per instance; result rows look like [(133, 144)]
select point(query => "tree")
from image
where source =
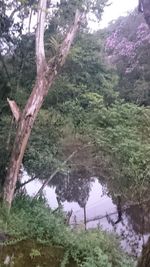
[(144, 6), (127, 46), (46, 73)]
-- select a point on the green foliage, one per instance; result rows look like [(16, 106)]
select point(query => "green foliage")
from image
[(122, 132), (130, 56), (40, 157), (34, 219), (6, 129), (35, 253), (83, 99), (65, 11), (83, 72)]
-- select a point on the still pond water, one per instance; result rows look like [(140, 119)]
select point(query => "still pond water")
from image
[(89, 203)]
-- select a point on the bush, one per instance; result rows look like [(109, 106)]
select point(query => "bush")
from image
[(33, 219)]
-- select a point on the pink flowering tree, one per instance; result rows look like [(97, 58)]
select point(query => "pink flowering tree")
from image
[(129, 51)]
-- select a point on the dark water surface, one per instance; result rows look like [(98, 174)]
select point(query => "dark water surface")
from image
[(92, 208)]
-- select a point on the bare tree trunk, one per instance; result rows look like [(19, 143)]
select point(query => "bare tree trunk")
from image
[(22, 135), (144, 7), (46, 74)]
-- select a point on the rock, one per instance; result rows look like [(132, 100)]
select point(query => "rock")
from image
[(7, 260)]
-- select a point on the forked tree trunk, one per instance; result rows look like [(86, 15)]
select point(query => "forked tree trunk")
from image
[(22, 135), (46, 73)]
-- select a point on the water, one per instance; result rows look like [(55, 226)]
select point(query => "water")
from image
[(89, 203)]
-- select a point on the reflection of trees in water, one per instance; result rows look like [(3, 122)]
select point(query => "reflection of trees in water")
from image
[(130, 240), (131, 223), (139, 217), (74, 187), (134, 226)]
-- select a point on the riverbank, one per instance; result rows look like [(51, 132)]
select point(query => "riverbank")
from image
[(34, 220)]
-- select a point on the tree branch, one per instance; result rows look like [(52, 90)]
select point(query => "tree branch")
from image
[(25, 183), (14, 109), (65, 46), (30, 18), (14, 11), (57, 170), (57, 62), (40, 52)]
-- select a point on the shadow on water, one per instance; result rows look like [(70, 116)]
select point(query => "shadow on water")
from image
[(91, 207), (31, 254)]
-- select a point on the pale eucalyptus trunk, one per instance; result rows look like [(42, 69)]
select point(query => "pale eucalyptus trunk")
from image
[(46, 74)]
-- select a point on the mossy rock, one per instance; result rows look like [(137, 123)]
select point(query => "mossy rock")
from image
[(30, 253)]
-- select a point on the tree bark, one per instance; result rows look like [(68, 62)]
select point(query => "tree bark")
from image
[(144, 7), (46, 74), (146, 11)]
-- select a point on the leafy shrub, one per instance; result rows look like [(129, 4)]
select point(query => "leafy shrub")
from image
[(33, 219)]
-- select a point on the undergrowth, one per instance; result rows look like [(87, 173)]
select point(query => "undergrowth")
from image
[(33, 219)]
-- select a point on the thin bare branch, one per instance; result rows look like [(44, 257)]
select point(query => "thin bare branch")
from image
[(25, 183), (14, 12), (30, 18), (65, 46), (58, 169)]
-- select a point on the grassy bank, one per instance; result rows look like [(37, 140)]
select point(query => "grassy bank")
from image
[(34, 220)]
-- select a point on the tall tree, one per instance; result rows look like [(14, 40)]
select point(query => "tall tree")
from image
[(127, 47), (47, 71)]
